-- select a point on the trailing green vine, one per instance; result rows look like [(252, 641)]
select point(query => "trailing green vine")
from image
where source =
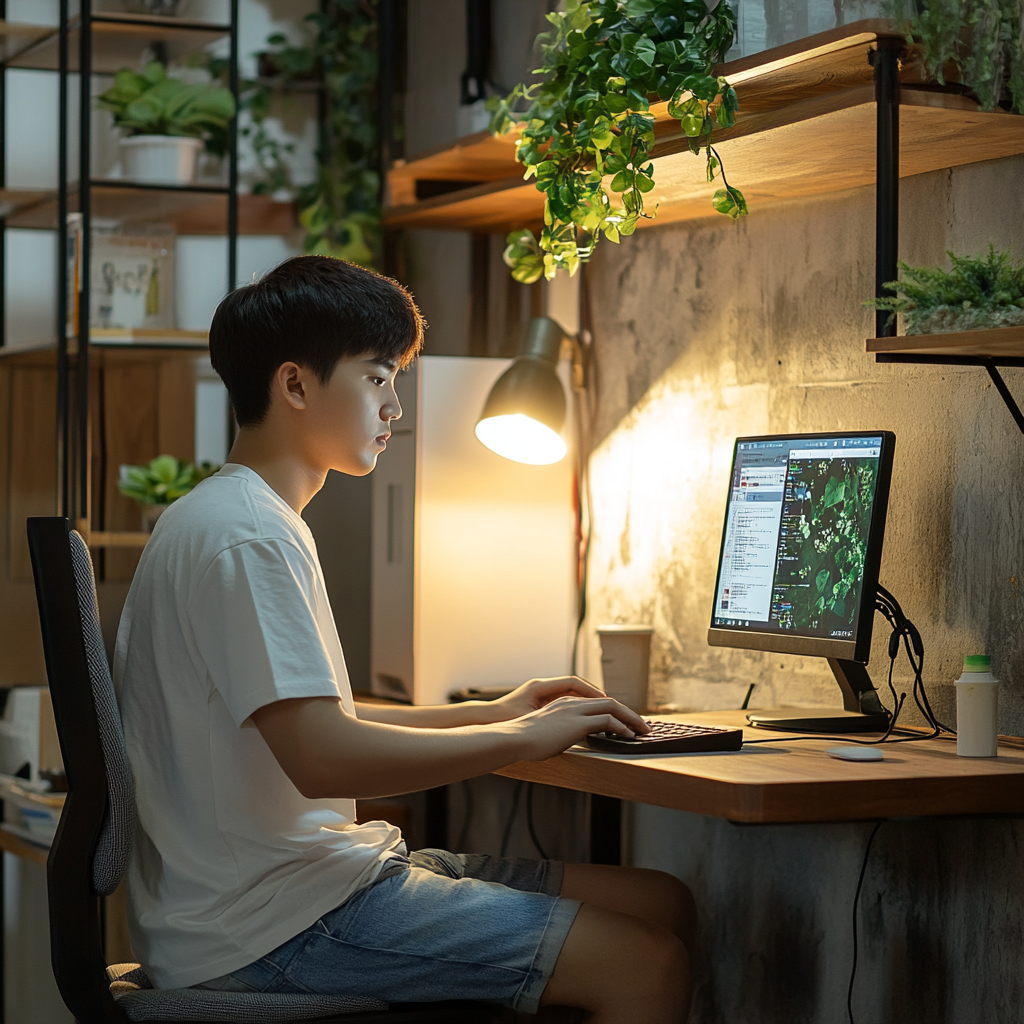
[(604, 63), (984, 40), (340, 210)]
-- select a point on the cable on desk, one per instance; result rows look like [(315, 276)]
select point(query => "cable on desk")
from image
[(856, 901), (905, 632)]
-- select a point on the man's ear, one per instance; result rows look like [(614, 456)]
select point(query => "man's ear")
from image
[(291, 381)]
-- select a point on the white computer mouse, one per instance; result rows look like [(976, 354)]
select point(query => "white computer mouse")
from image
[(856, 753)]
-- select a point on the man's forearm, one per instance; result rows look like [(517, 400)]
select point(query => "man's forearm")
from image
[(329, 754), (432, 716)]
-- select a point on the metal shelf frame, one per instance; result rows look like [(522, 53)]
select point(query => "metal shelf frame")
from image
[(74, 483), (885, 59)]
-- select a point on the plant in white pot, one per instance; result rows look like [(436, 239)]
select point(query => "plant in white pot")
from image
[(166, 123), (163, 481)]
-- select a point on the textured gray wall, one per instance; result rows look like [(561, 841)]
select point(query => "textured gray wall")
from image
[(709, 330)]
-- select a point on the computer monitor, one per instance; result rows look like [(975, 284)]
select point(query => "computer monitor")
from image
[(798, 568)]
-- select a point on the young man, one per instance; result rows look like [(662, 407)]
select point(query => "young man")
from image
[(248, 751)]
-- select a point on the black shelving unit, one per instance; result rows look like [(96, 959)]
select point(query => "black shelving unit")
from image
[(73, 361)]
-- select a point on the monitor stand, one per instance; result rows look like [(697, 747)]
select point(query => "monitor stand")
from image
[(862, 710)]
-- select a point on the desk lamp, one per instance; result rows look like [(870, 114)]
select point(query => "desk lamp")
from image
[(524, 413)]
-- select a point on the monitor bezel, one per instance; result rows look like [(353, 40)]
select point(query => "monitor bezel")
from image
[(859, 648)]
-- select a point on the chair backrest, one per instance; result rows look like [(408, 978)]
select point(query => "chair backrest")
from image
[(93, 841)]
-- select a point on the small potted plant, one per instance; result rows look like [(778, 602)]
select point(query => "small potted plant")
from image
[(166, 123), (164, 480), (977, 293)]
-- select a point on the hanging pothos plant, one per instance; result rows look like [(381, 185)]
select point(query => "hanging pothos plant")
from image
[(605, 61), (340, 210), (983, 39)]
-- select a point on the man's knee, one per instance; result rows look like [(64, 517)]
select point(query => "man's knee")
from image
[(678, 907), (666, 961)]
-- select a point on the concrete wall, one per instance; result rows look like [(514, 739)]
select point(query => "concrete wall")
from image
[(709, 330)]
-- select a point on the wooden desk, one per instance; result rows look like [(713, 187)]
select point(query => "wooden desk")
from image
[(796, 781)]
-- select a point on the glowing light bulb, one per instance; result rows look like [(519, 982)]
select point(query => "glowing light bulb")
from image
[(521, 438)]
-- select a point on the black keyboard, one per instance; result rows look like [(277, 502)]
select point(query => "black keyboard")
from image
[(669, 738)]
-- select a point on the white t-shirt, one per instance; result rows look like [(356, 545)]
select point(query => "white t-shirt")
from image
[(228, 612)]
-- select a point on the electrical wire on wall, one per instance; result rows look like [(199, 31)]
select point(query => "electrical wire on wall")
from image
[(585, 407)]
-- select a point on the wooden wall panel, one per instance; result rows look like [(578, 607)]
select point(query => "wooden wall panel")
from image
[(21, 650), (176, 408), (130, 437)]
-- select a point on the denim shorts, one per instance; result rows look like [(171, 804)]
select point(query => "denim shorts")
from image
[(440, 926)]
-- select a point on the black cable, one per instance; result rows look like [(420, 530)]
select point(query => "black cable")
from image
[(529, 822), (510, 821), (856, 901)]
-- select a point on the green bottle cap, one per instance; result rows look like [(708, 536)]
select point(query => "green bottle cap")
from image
[(977, 663)]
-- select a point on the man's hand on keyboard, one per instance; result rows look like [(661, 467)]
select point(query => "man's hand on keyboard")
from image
[(538, 693), (568, 720)]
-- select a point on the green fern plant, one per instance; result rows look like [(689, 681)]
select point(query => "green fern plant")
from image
[(604, 63), (978, 292)]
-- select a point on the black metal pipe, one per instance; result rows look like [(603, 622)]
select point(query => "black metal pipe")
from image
[(478, 51), (63, 284), (387, 72), (233, 155), (1004, 393), (84, 199), (885, 60)]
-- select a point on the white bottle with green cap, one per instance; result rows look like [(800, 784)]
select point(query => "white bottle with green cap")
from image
[(977, 705)]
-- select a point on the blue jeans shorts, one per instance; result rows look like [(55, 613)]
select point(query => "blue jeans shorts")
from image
[(442, 926)]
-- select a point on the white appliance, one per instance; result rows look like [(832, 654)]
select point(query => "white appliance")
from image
[(473, 581)]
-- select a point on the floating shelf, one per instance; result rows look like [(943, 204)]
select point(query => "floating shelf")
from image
[(118, 40), (998, 343), (806, 127)]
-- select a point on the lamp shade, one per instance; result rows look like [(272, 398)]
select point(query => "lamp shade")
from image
[(523, 416)]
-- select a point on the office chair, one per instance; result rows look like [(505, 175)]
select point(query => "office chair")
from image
[(93, 843)]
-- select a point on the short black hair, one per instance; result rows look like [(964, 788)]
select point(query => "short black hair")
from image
[(311, 310)]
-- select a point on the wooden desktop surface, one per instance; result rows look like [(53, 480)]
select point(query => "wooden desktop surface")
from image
[(795, 781)]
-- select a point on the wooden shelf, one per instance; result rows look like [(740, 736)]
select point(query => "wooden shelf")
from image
[(806, 127), (190, 213), (22, 848), (16, 38), (113, 348), (997, 343), (118, 41), (164, 337)]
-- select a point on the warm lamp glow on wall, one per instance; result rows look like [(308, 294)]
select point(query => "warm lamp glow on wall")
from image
[(524, 414)]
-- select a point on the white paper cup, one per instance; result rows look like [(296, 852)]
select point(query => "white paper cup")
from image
[(625, 663)]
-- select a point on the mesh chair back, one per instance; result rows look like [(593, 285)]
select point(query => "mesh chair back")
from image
[(118, 832)]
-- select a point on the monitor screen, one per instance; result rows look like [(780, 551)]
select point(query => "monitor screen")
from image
[(802, 543)]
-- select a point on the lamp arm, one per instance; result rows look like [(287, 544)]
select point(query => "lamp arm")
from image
[(572, 349)]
